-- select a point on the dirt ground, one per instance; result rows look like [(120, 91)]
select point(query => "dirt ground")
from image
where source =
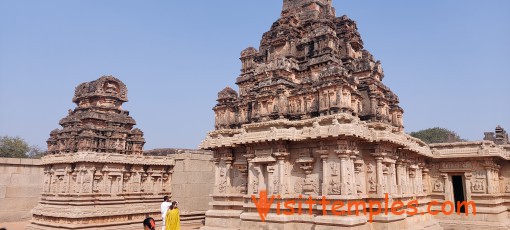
[(21, 226)]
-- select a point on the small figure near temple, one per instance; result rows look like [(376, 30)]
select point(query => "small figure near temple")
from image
[(173, 219), (164, 209)]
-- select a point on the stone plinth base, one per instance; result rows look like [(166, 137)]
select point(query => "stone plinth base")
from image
[(230, 219)]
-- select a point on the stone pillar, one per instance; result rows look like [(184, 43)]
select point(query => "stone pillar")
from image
[(393, 180), (90, 176), (380, 176), (405, 178), (373, 106), (359, 177), (412, 178), (325, 178), (259, 178), (351, 174), (448, 193), (489, 180), (386, 177), (251, 176), (399, 177), (419, 180), (228, 172), (217, 176), (468, 176), (347, 182), (282, 182), (343, 173), (170, 179), (426, 180), (68, 172)]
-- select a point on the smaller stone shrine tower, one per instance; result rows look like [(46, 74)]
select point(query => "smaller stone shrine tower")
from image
[(96, 175)]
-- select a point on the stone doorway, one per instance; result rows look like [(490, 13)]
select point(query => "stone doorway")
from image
[(459, 194)]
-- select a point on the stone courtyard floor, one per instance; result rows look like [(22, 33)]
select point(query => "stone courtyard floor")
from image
[(21, 226)]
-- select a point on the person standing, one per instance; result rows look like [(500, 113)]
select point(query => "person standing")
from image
[(164, 209), (173, 219)]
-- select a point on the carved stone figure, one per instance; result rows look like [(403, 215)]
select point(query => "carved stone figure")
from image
[(438, 186), (478, 186)]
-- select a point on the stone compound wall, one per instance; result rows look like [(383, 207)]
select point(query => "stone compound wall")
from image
[(192, 183), (20, 188)]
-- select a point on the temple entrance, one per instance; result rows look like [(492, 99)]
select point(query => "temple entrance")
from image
[(458, 192)]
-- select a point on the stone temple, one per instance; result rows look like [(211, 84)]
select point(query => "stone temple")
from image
[(313, 118), (96, 175)]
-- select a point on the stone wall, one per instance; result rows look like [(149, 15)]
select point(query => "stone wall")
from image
[(20, 188), (192, 183)]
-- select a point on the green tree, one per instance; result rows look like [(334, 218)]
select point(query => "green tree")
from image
[(437, 135), (17, 147)]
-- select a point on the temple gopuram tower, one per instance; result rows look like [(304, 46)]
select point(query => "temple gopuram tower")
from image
[(96, 175), (313, 118)]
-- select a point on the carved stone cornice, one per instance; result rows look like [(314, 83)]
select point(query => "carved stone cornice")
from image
[(93, 157)]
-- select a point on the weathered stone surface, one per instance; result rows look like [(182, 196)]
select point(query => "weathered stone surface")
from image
[(20, 188), (312, 117), (23, 191), (95, 173), (3, 191)]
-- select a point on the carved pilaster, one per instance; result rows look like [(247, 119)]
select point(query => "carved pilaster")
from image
[(399, 177), (447, 189), (242, 167), (359, 175), (323, 153), (380, 176), (252, 176), (344, 152), (281, 158), (468, 176), (306, 162), (426, 180)]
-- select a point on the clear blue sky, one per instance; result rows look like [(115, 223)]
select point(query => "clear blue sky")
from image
[(447, 60)]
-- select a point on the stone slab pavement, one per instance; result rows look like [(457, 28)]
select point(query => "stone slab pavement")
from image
[(21, 226)]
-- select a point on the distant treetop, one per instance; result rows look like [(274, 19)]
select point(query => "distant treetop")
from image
[(437, 135), (16, 147)]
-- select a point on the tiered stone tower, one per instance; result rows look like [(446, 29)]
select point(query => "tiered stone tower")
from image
[(310, 64), (96, 176), (312, 117), (98, 124)]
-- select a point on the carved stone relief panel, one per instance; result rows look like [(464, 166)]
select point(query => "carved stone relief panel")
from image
[(438, 185), (371, 179), (478, 186)]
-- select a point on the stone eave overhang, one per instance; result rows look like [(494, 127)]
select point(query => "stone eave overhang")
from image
[(111, 158), (345, 126), (469, 149)]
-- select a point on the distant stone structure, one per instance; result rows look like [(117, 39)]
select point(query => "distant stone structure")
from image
[(95, 174), (312, 117)]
